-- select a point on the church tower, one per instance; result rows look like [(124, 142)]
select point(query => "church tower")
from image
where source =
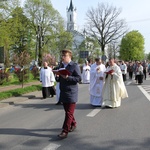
[(71, 17)]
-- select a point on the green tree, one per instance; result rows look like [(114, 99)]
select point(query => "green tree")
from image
[(12, 25), (5, 40), (44, 20), (148, 56), (63, 40), (58, 39), (132, 46), (19, 30)]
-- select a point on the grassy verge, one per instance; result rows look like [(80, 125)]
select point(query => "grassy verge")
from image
[(13, 80), (20, 91)]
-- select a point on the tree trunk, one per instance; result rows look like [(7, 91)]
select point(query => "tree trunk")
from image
[(6, 56)]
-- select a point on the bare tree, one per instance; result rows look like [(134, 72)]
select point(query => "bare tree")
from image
[(113, 50), (103, 23)]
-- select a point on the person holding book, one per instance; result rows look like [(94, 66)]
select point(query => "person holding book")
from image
[(114, 89), (68, 90)]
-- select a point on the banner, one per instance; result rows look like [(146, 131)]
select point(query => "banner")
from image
[(84, 54)]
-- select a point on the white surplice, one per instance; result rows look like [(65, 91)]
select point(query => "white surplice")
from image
[(96, 85), (47, 77), (86, 74), (114, 89)]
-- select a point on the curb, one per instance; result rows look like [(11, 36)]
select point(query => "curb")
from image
[(14, 100), (12, 87)]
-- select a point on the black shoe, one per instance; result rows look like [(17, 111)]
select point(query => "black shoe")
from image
[(59, 103)]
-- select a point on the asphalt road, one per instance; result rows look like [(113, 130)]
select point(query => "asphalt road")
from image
[(33, 124)]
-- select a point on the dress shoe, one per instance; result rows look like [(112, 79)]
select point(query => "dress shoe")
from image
[(63, 135), (72, 128), (59, 103), (107, 107)]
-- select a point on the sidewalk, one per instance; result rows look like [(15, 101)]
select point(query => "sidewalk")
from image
[(24, 97), (12, 87), (15, 100)]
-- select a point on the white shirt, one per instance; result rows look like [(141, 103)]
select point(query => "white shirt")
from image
[(123, 68)]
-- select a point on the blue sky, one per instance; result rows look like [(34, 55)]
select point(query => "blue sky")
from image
[(135, 12)]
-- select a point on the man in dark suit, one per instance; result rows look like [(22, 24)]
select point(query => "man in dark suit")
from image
[(69, 91)]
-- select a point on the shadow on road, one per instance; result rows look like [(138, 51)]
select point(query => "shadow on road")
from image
[(27, 132), (48, 106)]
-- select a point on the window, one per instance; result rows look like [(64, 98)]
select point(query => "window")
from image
[(70, 18)]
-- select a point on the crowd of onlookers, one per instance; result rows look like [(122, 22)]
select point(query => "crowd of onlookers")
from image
[(132, 67), (137, 70)]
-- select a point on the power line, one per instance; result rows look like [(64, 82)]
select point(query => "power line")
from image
[(142, 20)]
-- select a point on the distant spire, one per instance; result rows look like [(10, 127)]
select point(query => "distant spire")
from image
[(71, 6), (84, 31)]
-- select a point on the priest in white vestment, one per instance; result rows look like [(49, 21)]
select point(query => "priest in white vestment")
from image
[(86, 73), (96, 82), (47, 78), (114, 89)]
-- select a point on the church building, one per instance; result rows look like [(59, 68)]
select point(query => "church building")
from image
[(72, 27), (79, 37)]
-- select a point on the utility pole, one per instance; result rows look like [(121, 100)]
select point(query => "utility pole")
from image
[(37, 45)]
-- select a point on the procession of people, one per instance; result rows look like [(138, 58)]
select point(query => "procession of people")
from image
[(105, 81)]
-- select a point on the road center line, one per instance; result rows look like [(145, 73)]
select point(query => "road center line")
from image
[(93, 112), (52, 146), (144, 92)]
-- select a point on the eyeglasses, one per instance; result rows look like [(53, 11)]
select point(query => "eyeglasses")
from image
[(64, 55)]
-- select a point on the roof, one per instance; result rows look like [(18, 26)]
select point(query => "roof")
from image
[(71, 6)]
